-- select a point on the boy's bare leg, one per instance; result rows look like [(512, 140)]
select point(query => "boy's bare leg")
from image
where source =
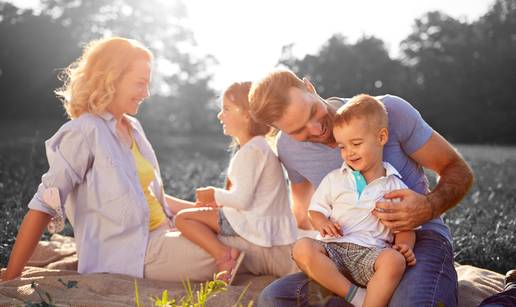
[(389, 268), (314, 261)]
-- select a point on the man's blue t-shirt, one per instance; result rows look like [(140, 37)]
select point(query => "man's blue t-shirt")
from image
[(407, 133)]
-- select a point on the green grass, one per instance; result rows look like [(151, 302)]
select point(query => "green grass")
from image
[(483, 225)]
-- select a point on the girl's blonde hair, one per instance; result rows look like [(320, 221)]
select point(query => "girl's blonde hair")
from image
[(89, 82), (238, 93)]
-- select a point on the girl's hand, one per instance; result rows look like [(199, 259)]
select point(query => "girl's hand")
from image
[(407, 252), (198, 204), (330, 228), (205, 195)]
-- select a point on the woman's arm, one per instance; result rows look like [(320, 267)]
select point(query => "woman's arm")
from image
[(176, 204), (28, 236)]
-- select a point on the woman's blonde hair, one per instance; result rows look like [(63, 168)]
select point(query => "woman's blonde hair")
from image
[(89, 82)]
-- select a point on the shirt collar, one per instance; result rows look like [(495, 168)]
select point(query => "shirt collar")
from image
[(110, 119), (389, 169)]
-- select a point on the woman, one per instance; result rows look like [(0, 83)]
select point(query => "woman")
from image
[(104, 177)]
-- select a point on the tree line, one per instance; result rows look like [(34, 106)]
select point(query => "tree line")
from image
[(460, 75)]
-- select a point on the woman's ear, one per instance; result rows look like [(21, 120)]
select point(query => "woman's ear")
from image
[(383, 136)]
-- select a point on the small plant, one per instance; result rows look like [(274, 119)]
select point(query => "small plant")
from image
[(192, 298)]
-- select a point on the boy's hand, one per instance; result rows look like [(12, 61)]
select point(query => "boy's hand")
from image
[(407, 252), (205, 195), (330, 228)]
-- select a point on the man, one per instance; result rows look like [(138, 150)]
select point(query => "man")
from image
[(308, 151)]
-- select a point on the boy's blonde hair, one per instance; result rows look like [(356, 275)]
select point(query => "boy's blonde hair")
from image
[(89, 82), (269, 97), (366, 106)]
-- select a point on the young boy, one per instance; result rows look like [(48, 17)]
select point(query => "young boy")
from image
[(353, 247)]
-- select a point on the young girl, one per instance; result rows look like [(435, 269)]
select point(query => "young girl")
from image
[(254, 204)]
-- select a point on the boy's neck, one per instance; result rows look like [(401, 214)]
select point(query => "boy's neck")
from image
[(374, 173)]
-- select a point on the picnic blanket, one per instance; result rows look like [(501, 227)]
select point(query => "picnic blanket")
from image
[(53, 266)]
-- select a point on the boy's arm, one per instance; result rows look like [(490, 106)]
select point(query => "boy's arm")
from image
[(301, 194), (404, 243), (322, 224), (405, 237)]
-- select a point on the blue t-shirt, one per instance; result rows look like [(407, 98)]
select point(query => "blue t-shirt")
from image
[(407, 133)]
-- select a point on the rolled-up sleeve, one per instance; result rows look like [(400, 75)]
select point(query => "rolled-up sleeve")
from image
[(69, 158)]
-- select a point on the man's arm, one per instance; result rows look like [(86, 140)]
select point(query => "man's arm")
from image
[(301, 193), (414, 209)]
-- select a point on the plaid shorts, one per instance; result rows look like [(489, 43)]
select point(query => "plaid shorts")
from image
[(225, 227), (354, 261)]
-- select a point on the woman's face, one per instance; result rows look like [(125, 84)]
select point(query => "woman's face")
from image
[(132, 89)]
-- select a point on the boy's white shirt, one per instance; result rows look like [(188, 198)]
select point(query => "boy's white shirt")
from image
[(337, 198), (257, 204)]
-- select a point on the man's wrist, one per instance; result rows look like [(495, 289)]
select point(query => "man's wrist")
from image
[(430, 200)]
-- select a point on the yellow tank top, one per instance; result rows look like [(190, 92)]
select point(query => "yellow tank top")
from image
[(146, 175)]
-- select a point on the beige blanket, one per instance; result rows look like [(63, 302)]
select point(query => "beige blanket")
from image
[(53, 269)]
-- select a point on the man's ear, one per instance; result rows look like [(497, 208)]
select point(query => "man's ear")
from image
[(309, 86), (383, 136)]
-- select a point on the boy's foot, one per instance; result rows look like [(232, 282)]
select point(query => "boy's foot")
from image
[(229, 264)]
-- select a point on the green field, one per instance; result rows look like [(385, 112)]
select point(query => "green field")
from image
[(483, 224)]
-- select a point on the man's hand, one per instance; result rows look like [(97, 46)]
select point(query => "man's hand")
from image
[(412, 210), (407, 252), (205, 195)]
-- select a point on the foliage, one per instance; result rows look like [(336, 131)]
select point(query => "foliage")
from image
[(449, 67), (36, 45)]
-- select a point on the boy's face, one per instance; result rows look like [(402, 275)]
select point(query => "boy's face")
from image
[(361, 143)]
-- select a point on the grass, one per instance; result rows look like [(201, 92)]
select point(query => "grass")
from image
[(483, 225)]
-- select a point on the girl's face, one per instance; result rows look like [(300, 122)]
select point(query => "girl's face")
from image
[(132, 89), (234, 119)]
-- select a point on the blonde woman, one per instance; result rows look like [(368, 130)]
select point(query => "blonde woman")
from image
[(104, 177)]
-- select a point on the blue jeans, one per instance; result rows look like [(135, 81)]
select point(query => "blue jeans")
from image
[(431, 282)]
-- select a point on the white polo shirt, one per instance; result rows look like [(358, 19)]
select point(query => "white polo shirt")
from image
[(337, 197)]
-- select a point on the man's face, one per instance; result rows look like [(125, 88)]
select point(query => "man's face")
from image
[(307, 118)]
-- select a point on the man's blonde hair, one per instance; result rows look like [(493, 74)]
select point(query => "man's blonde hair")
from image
[(89, 82), (268, 97), (365, 106)]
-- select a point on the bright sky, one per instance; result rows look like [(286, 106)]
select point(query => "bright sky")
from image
[(246, 37)]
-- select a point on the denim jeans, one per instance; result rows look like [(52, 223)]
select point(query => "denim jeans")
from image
[(431, 282)]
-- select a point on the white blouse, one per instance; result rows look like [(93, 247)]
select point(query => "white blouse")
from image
[(257, 203)]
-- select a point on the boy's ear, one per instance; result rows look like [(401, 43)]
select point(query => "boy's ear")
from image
[(383, 136), (309, 86)]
